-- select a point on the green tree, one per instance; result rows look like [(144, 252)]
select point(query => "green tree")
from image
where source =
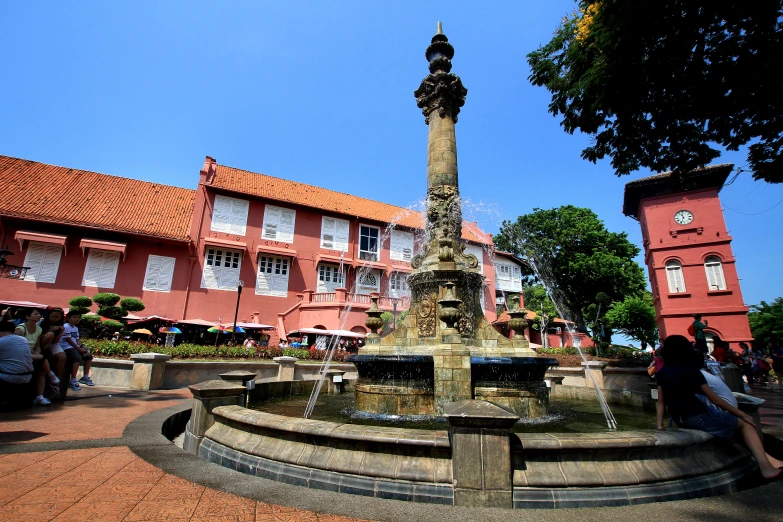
[(634, 317), (766, 322), (537, 300), (575, 255), (657, 84)]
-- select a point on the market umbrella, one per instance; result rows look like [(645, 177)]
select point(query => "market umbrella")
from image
[(169, 330), (142, 331), (218, 329)]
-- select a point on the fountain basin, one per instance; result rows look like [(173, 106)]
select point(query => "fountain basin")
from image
[(549, 470), (405, 384)]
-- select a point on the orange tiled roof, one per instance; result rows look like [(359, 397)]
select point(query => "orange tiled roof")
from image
[(278, 189), (42, 192)]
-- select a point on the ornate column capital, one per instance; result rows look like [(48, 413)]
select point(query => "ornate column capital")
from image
[(440, 90)]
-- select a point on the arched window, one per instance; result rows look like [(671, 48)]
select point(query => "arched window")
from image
[(674, 277), (714, 269)]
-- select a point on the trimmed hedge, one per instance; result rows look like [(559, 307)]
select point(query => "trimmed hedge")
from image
[(124, 349), (106, 298)]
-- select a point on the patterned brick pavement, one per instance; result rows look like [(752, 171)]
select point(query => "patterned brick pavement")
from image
[(108, 483)]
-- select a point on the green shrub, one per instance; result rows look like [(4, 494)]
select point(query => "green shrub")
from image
[(79, 309), (81, 301), (131, 304), (112, 312), (111, 324), (109, 348), (88, 321), (106, 299)]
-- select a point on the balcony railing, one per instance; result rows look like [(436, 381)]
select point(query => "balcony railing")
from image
[(343, 297)]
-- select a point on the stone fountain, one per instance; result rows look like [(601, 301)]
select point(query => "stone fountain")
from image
[(446, 350)]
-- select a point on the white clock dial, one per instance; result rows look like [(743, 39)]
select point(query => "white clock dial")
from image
[(683, 217)]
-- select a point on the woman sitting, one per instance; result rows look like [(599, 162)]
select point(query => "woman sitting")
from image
[(683, 390)]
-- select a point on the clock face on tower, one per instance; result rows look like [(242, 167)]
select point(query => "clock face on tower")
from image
[(683, 217)]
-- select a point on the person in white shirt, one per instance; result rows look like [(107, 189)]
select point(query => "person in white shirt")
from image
[(75, 352), (16, 365)]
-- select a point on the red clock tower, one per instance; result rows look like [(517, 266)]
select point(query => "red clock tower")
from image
[(688, 252)]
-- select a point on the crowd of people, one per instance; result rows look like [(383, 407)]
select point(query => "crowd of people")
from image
[(37, 348), (697, 399)]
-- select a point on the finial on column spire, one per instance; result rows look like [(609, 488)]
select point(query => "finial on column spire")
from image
[(441, 89)]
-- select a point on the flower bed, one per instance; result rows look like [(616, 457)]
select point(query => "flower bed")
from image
[(124, 349)]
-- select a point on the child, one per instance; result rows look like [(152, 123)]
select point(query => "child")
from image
[(75, 352)]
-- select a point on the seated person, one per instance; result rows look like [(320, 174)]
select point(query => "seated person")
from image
[(16, 363), (683, 390), (75, 352)]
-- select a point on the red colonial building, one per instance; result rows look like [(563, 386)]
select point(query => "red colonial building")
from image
[(688, 253), (301, 252)]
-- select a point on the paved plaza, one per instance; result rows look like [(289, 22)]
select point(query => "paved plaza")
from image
[(100, 456)]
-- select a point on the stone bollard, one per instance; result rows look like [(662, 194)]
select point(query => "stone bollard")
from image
[(207, 396), (285, 371), (732, 375), (243, 377), (481, 453), (597, 369), (554, 382), (335, 384), (148, 370)]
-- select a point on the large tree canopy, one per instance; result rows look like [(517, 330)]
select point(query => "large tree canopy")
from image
[(766, 322), (659, 83), (575, 254), (634, 317)]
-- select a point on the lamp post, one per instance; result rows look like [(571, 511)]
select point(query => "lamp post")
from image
[(240, 284), (394, 312)]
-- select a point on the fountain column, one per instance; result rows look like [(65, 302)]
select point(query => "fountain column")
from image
[(440, 97)]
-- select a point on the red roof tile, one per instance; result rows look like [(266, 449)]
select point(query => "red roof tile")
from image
[(42, 192), (278, 189)]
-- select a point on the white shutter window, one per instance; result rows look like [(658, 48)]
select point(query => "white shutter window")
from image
[(287, 223), (271, 223), (230, 215), (368, 281), (401, 245), (329, 278), (160, 273), (273, 276), (714, 269), (101, 269), (674, 277), (221, 269), (398, 285), (44, 261), (334, 234), (369, 243), (479, 253)]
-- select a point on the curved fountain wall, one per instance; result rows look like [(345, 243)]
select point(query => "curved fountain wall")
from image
[(548, 470)]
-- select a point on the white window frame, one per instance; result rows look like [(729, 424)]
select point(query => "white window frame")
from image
[(275, 226), (41, 264), (329, 277), (508, 277), (361, 281), (398, 285), (673, 272), (273, 275), (332, 237), (713, 267), (401, 244), (229, 215), (477, 251), (369, 255), (109, 266), (160, 282), (224, 280)]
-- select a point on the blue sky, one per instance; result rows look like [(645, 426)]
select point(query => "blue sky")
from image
[(321, 93)]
